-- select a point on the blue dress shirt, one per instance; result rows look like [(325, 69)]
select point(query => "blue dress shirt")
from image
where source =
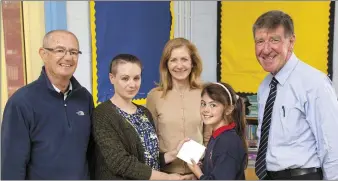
[(304, 125)]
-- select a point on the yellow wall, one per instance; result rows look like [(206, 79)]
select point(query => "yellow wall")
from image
[(238, 60), (94, 56), (4, 93), (34, 30)]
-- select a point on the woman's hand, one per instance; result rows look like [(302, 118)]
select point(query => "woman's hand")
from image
[(172, 155), (189, 177), (175, 176), (180, 144), (195, 169)]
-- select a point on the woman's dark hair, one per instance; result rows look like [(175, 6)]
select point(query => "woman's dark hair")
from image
[(218, 93), (122, 59)]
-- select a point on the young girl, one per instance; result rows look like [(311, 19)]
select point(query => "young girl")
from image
[(226, 153)]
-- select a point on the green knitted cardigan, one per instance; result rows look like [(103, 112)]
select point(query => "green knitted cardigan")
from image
[(118, 151)]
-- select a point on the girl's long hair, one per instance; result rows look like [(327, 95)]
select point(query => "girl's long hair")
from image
[(218, 93)]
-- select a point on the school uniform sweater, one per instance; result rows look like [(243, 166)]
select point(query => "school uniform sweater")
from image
[(44, 136), (225, 157)]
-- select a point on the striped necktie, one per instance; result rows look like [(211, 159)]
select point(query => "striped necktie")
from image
[(263, 144)]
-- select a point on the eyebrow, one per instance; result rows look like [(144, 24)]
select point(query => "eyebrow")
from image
[(60, 47), (276, 36), (257, 39), (66, 48), (272, 36), (209, 102), (74, 49), (124, 75), (187, 57)]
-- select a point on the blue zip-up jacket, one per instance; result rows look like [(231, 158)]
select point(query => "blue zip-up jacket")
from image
[(44, 136)]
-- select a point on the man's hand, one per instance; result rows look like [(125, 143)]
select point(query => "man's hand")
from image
[(195, 169)]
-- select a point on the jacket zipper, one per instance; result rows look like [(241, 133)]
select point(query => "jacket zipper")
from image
[(65, 107)]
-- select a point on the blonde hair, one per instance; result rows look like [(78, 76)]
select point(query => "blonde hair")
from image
[(166, 83)]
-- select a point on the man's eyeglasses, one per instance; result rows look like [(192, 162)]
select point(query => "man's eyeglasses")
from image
[(62, 51)]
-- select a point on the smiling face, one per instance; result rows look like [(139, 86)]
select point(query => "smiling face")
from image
[(180, 64), (127, 80), (212, 112), (273, 49), (59, 63)]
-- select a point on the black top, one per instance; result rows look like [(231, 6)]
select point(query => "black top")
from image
[(225, 157)]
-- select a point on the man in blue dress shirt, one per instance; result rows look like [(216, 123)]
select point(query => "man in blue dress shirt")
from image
[(298, 108)]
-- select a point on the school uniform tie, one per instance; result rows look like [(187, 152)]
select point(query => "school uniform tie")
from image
[(260, 165)]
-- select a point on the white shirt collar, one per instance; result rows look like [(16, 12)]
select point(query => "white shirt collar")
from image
[(66, 93)]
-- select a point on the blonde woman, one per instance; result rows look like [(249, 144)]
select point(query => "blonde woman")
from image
[(175, 103)]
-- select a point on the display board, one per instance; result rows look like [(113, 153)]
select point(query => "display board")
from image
[(138, 28), (238, 66)]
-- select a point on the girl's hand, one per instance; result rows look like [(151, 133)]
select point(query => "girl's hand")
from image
[(195, 169)]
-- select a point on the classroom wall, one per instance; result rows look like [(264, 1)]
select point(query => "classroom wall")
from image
[(41, 17), (203, 27), (78, 22), (34, 30), (197, 22), (55, 15), (3, 79), (335, 51), (204, 36)]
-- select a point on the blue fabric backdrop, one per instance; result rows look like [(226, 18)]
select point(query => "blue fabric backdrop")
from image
[(139, 28)]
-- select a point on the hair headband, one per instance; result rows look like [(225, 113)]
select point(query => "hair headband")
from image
[(226, 89)]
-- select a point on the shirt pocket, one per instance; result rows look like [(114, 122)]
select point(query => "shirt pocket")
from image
[(292, 120)]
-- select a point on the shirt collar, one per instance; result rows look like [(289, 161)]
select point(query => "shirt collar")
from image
[(75, 85), (70, 87), (286, 70), (222, 129)]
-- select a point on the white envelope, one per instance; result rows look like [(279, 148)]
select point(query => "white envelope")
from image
[(191, 150)]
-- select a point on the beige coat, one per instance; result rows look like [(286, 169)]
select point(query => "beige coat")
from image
[(177, 116)]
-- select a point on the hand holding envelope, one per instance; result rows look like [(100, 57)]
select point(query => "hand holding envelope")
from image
[(191, 150)]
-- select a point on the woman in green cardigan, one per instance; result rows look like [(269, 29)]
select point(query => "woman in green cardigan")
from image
[(126, 144)]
